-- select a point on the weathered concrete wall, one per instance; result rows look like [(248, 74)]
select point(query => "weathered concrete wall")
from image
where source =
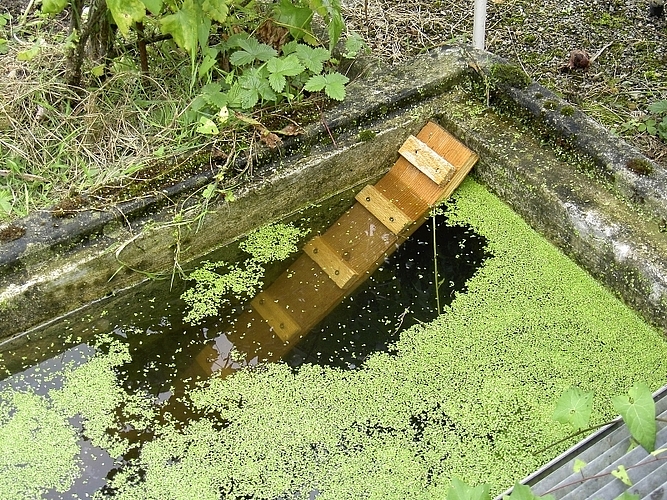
[(63, 264), (609, 221)]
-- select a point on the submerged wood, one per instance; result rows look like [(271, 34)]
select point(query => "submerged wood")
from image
[(335, 263)]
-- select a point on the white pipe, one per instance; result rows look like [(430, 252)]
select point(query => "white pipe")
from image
[(479, 28)]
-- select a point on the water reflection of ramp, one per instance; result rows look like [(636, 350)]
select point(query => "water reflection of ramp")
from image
[(429, 169)]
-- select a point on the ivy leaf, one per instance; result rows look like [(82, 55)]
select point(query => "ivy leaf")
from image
[(216, 10), (154, 6), (126, 12), (638, 412), (523, 492), (312, 58), (333, 85), (574, 408), (578, 465), (461, 491), (251, 50), (296, 19), (622, 474), (54, 6), (184, 26), (280, 68)]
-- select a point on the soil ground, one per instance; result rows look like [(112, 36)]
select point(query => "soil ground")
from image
[(629, 73)]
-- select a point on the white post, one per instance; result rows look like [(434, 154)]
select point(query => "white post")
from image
[(479, 27)]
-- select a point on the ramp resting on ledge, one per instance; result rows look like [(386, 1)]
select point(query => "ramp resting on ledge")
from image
[(430, 167)]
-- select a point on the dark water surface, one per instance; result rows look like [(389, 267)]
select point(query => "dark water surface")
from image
[(398, 295)]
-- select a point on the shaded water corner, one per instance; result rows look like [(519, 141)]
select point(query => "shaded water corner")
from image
[(568, 177)]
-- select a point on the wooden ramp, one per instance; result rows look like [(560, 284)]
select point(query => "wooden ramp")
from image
[(430, 167)]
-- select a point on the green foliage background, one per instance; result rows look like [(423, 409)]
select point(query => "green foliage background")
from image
[(470, 395)]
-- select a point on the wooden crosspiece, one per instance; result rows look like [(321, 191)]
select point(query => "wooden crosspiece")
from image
[(430, 167)]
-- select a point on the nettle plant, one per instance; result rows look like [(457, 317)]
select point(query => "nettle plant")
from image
[(242, 53), (262, 75)]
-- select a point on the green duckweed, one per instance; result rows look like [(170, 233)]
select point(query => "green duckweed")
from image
[(470, 395)]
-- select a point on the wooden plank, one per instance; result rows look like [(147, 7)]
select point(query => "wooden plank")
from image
[(434, 166), (308, 290), (276, 314), (403, 197), (384, 209), (444, 144), (355, 246), (360, 238), (330, 261)]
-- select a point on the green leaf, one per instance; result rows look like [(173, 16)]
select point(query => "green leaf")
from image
[(578, 465), (296, 19), (280, 68), (622, 474), (125, 13), (54, 6), (626, 495), (207, 126), (183, 26), (638, 412), (574, 408), (461, 491), (523, 492), (216, 10), (354, 44), (251, 50), (154, 6), (254, 85), (213, 96), (6, 201), (333, 85), (98, 70), (312, 58), (29, 54), (659, 108)]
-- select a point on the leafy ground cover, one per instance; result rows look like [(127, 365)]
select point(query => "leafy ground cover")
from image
[(104, 101), (126, 126), (471, 395)]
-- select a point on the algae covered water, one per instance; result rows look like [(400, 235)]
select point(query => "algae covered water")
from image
[(467, 393)]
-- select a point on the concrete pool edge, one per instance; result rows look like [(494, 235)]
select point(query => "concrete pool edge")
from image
[(53, 281)]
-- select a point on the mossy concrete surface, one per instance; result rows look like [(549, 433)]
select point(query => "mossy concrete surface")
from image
[(62, 264), (608, 217)]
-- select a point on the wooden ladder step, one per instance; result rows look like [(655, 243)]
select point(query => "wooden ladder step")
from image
[(384, 209), (276, 315), (434, 166), (331, 262)]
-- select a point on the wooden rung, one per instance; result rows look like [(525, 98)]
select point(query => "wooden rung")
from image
[(276, 315), (383, 209), (434, 166), (331, 262)]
